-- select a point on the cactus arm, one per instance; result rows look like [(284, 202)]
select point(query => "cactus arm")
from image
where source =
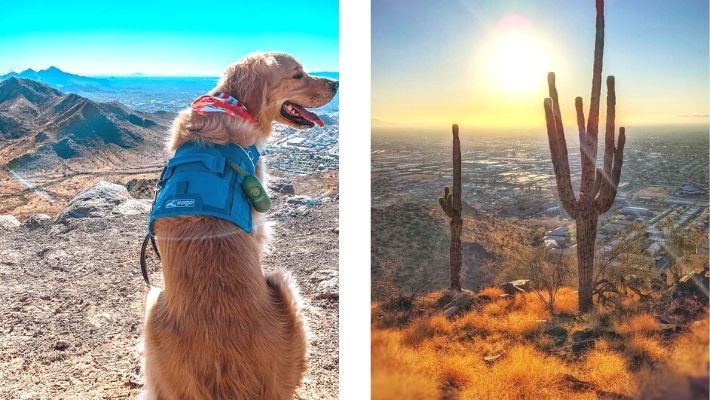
[(610, 121), (609, 188), (593, 122), (587, 151), (580, 122), (611, 154), (445, 202), (560, 164)]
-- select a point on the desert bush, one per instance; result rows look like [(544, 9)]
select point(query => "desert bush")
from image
[(547, 271), (523, 373), (680, 246), (646, 348), (623, 273), (490, 292), (640, 323), (425, 328), (607, 369)]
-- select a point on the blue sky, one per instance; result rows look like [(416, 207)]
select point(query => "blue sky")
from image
[(430, 59), (163, 38)]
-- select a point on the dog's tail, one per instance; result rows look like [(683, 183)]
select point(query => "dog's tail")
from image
[(286, 297)]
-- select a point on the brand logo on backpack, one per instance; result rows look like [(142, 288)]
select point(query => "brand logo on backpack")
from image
[(181, 203)]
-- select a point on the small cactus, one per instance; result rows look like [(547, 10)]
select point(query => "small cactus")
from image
[(451, 204)]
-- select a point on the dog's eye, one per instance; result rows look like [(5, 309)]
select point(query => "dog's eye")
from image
[(298, 75)]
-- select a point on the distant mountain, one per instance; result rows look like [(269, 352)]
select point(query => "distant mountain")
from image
[(40, 126), (139, 91), (58, 79)]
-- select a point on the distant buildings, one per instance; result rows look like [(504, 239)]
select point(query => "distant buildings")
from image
[(635, 211)]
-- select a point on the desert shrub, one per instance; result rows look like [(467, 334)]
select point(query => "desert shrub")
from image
[(514, 318), (547, 271), (567, 301), (646, 348), (623, 273), (490, 292), (425, 328), (607, 369), (641, 323), (523, 373)]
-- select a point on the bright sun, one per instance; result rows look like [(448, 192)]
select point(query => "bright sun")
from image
[(517, 60)]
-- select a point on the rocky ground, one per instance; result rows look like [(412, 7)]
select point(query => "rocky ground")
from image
[(72, 298)]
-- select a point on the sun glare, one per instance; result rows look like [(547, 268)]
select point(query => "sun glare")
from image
[(518, 61)]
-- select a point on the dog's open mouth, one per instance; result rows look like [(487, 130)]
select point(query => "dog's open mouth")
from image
[(299, 115)]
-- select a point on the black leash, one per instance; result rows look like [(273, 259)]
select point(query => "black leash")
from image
[(144, 268)]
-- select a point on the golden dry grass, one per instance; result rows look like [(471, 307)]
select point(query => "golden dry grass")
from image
[(646, 348), (491, 292), (607, 369), (402, 372), (435, 358), (567, 301), (690, 353), (641, 323)]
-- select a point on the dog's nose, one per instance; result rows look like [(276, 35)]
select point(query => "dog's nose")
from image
[(334, 86)]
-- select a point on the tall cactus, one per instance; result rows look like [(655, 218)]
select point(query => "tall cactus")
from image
[(451, 204), (597, 187)]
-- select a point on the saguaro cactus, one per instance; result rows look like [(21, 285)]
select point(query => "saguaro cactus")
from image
[(597, 187), (451, 204)]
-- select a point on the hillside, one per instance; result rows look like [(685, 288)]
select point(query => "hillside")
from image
[(510, 348), (40, 126), (410, 247), (72, 299), (53, 144)]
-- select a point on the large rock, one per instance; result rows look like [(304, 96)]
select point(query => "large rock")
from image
[(8, 222), (133, 207), (37, 220), (457, 302), (558, 334), (583, 340), (281, 185), (515, 287), (102, 200)]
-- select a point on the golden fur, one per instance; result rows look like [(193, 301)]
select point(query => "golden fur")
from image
[(220, 329)]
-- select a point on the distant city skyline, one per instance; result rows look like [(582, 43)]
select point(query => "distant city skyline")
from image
[(483, 63), (162, 38)]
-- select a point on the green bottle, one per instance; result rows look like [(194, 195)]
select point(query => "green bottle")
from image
[(256, 193)]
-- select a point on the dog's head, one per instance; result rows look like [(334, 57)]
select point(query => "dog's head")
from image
[(275, 87)]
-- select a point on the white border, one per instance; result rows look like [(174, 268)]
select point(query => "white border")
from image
[(355, 200)]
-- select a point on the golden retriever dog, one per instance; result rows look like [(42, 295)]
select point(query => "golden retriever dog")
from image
[(220, 328)]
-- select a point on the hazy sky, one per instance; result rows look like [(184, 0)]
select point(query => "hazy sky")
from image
[(484, 62), (163, 37)]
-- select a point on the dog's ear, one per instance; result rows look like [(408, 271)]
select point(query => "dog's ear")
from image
[(248, 80)]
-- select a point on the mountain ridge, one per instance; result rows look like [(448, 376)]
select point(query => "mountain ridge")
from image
[(38, 122), (56, 77)]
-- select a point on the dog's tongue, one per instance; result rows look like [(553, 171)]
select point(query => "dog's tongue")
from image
[(308, 115)]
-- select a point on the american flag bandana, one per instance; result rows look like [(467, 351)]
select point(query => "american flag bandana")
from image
[(222, 103)]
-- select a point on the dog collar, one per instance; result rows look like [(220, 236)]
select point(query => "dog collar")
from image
[(210, 181), (222, 103)]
